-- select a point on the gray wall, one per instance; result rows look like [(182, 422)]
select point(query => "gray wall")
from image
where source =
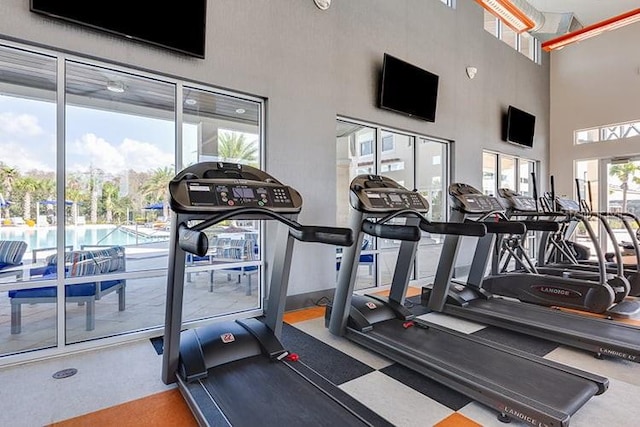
[(313, 65), (593, 83)]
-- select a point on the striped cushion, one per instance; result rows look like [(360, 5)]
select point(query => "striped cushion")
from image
[(89, 262), (12, 251)]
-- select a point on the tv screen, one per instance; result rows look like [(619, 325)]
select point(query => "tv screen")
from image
[(179, 26), (408, 89), (520, 127)]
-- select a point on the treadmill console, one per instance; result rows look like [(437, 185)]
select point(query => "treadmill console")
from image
[(517, 202), (567, 205), (379, 194), (215, 187), (470, 200)]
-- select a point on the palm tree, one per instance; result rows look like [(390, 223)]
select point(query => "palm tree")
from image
[(110, 194), (234, 147), (28, 185), (624, 172), (8, 176), (156, 188)]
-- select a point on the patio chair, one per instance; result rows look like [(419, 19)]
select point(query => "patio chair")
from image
[(365, 259), (77, 263), (11, 253), (228, 250)]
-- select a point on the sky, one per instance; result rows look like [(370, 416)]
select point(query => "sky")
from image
[(106, 140)]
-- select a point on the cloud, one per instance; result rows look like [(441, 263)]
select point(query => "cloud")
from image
[(93, 151), (25, 158), (19, 124)]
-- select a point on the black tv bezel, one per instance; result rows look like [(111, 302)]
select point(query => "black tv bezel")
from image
[(192, 53), (509, 118), (383, 76)]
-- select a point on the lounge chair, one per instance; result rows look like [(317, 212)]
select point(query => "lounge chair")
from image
[(77, 263), (11, 253)]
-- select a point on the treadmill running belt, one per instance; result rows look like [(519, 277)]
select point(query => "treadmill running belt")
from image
[(468, 359), (536, 316), (256, 391)]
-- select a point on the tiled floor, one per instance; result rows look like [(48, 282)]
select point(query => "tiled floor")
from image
[(29, 396)]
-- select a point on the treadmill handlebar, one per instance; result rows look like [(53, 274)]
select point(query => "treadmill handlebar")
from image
[(505, 227), (330, 235), (192, 241), (475, 229), (392, 231)]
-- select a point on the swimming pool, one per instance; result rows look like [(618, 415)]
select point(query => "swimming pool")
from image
[(45, 237)]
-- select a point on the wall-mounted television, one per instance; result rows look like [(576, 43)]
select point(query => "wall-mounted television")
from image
[(179, 26), (519, 127), (408, 89)]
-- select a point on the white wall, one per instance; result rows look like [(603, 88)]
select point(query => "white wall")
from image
[(595, 82), (313, 65)]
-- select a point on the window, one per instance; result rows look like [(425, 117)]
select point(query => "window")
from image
[(514, 173), (611, 132), (387, 143), (524, 43), (366, 148), (413, 161), (101, 208)]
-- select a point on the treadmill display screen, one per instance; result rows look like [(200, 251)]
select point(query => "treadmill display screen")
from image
[(225, 196), (243, 193)]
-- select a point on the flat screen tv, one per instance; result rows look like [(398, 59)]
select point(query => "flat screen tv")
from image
[(179, 26), (519, 127), (408, 89)]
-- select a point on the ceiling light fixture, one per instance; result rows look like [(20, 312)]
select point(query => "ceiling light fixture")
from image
[(190, 101), (322, 4), (240, 110), (115, 86), (508, 13), (592, 30)]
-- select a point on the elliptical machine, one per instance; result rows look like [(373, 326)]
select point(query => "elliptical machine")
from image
[(593, 293)]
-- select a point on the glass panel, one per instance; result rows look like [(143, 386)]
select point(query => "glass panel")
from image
[(490, 23), (432, 182), (587, 172), (489, 173), (350, 163), (527, 45), (27, 176), (399, 166), (120, 151), (508, 36), (525, 184), (227, 279), (587, 136), (623, 196), (507, 172)]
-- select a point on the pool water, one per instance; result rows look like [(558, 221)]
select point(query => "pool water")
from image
[(74, 236)]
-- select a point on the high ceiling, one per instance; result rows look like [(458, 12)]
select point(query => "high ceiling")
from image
[(586, 11)]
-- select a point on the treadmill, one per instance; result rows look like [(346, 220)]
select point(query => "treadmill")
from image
[(238, 372), (516, 384), (469, 300)]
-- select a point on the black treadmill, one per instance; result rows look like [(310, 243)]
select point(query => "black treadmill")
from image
[(237, 372), (516, 384), (471, 301)]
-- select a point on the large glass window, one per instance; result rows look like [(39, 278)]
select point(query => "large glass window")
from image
[(514, 173), (88, 151), (524, 43), (414, 161), (611, 132)]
